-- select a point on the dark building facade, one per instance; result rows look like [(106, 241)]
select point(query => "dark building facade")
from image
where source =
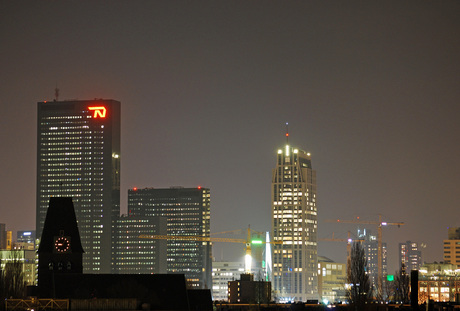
[(187, 211), (78, 156), (135, 255), (246, 290), (60, 274)]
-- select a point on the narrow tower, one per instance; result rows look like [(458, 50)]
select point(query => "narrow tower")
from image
[(294, 215)]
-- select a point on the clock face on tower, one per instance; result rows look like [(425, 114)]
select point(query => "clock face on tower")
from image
[(62, 244)]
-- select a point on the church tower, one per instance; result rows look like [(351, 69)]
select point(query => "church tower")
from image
[(60, 249)]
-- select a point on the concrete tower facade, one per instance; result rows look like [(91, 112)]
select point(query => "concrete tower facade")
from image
[(294, 215), (187, 212), (78, 156)]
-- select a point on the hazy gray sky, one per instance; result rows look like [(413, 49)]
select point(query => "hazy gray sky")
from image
[(370, 88)]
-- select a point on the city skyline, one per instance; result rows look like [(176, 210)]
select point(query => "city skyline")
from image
[(371, 90)]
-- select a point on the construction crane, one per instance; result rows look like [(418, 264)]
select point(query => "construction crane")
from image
[(248, 242), (380, 224), (348, 240)]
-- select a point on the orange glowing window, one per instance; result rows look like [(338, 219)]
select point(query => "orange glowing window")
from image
[(99, 112)]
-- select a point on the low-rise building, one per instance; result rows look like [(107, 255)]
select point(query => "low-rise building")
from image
[(332, 277), (246, 290), (222, 273), (439, 282)]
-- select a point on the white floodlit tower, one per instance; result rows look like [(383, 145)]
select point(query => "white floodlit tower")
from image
[(294, 222)]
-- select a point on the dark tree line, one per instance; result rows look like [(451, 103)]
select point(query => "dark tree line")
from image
[(359, 288)]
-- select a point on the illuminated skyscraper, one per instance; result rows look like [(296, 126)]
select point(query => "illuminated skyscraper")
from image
[(187, 211), (370, 245), (294, 215), (78, 156)]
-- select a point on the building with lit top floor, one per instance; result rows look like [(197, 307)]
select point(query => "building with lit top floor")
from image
[(187, 213), (439, 282), (78, 156), (294, 215)]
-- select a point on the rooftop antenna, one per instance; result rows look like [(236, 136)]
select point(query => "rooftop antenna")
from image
[(287, 133), (56, 94)]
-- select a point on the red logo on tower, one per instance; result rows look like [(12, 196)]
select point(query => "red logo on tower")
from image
[(99, 111)]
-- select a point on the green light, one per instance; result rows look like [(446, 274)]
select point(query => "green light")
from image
[(256, 242), (390, 277)]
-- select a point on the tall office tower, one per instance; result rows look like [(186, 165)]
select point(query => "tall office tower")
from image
[(370, 245), (294, 215), (452, 246), (78, 156), (188, 214), (136, 255), (410, 255)]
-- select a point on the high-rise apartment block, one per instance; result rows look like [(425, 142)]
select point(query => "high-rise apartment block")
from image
[(187, 212), (294, 215), (452, 246), (410, 255), (78, 156)]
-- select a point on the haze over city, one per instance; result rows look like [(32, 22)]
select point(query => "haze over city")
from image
[(370, 89)]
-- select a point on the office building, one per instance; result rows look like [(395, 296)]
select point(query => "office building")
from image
[(27, 236), (222, 273), (187, 211), (370, 245), (136, 255), (78, 156), (332, 277), (410, 255), (294, 214), (452, 246)]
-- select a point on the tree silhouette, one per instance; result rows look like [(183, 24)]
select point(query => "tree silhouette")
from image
[(12, 283), (402, 282), (359, 290)]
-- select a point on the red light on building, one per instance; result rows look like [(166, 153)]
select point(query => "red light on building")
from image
[(135, 189), (99, 111), (199, 187)]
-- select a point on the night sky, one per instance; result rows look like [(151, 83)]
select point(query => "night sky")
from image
[(370, 88)]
